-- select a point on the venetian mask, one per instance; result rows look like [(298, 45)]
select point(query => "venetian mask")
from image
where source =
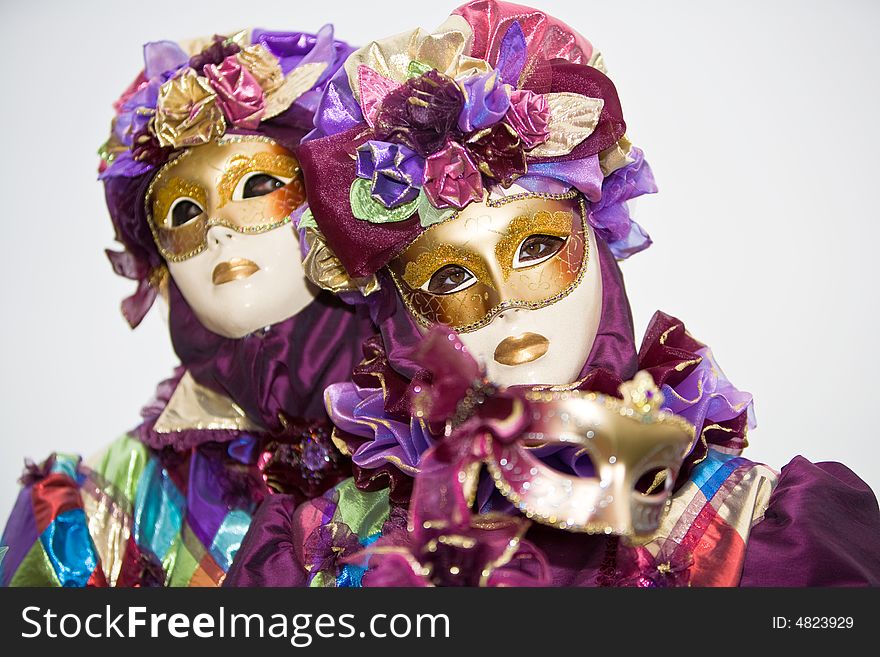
[(516, 277), (636, 450), (220, 216)]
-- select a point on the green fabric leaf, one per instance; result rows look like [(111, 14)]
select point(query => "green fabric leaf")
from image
[(428, 214), (416, 69), (307, 220), (364, 206)]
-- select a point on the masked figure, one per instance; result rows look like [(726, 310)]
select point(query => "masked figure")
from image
[(205, 194), (503, 428)]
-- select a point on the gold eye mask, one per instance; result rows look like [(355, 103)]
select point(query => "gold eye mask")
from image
[(209, 175), (484, 239)]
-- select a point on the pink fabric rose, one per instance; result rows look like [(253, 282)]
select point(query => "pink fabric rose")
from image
[(529, 115), (451, 178), (239, 95)]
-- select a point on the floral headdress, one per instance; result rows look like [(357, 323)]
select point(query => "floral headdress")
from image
[(189, 94), (419, 125)]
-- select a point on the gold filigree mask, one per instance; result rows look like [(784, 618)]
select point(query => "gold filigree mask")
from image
[(521, 251), (248, 184), (636, 449)]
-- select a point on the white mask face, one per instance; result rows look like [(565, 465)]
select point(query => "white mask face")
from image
[(220, 214), (242, 283), (519, 280), (567, 328)]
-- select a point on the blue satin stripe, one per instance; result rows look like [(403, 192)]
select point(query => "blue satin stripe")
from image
[(352, 574), (714, 471), (158, 510), (65, 464), (229, 537), (70, 549)]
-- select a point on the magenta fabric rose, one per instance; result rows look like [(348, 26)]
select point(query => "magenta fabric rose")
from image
[(451, 178), (529, 115), (239, 95)]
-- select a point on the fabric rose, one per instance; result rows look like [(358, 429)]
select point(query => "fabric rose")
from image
[(498, 153), (486, 99), (239, 95), (422, 113), (187, 113), (395, 172), (452, 178), (327, 545), (214, 53), (263, 65), (137, 104), (529, 115), (146, 148)]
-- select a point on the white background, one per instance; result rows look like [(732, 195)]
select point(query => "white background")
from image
[(760, 120)]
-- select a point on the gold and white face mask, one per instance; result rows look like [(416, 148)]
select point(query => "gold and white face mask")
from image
[(515, 277), (220, 216), (248, 184)]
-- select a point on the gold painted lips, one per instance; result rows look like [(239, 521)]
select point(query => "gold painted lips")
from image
[(521, 349), (234, 270)]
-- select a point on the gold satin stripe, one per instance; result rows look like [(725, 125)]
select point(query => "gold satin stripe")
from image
[(109, 527)]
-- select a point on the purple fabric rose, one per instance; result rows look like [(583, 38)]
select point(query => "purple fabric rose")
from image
[(498, 153), (396, 171), (452, 178), (486, 99), (423, 113), (239, 95), (529, 115)]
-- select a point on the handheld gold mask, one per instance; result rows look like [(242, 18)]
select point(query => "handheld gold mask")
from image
[(248, 184), (636, 448), (521, 251)]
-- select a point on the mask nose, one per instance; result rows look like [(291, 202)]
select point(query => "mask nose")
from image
[(218, 236)]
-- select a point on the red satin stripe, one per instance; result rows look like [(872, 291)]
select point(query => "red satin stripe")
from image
[(52, 496)]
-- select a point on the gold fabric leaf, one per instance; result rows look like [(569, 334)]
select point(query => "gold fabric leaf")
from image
[(616, 156), (263, 65), (573, 118), (442, 50), (295, 84), (324, 269)]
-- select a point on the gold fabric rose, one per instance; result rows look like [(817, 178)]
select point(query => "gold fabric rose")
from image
[(187, 113)]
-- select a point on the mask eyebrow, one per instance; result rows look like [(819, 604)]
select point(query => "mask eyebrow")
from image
[(169, 191), (428, 263), (276, 164), (542, 222)]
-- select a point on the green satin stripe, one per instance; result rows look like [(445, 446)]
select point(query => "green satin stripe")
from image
[(182, 564), (364, 512), (322, 580), (35, 569), (122, 464)]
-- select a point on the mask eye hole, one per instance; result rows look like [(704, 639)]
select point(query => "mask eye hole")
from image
[(257, 184), (182, 211), (656, 481), (449, 280), (536, 249)]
